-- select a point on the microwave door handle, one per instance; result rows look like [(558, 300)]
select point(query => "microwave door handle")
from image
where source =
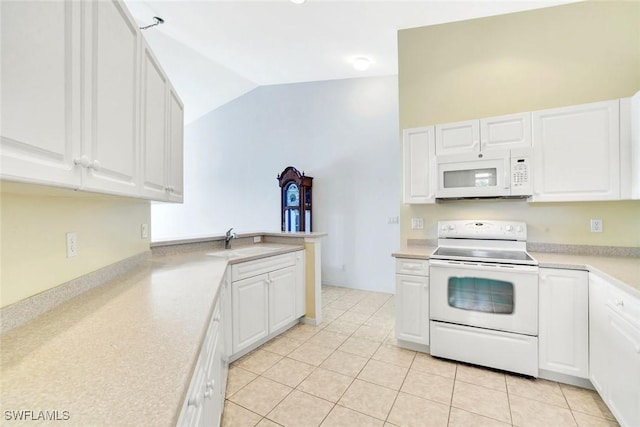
[(507, 184)]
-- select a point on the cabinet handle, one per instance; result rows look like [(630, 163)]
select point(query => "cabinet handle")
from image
[(194, 401), (83, 161), (86, 163)]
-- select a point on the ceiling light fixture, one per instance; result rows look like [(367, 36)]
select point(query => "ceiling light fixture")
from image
[(361, 63), (297, 1)]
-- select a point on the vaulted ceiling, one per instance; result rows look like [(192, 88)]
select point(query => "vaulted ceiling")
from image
[(215, 51)]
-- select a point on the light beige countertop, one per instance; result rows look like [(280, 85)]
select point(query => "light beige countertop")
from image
[(414, 251), (122, 353), (621, 271)]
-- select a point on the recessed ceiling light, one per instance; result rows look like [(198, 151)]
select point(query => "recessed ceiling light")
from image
[(297, 1), (361, 63)]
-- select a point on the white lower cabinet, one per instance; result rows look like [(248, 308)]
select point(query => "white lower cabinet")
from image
[(614, 335), (563, 322), (205, 398), (301, 285), (250, 311), (265, 295), (412, 300)]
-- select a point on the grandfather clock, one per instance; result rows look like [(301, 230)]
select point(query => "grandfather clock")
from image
[(295, 196)]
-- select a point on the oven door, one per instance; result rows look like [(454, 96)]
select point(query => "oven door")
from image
[(501, 297), (473, 175)]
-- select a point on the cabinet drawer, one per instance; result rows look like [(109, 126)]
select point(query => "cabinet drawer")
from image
[(261, 266), (415, 267), (625, 305), (212, 332)]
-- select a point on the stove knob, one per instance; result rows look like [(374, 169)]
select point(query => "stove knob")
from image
[(452, 227), (509, 228), (443, 228), (519, 229)]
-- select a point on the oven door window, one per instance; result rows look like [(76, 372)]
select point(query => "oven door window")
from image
[(478, 294)]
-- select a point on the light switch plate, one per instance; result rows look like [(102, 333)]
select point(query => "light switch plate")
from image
[(417, 223)]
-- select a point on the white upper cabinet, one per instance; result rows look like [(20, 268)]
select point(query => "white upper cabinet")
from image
[(40, 81), (162, 133), (111, 96), (419, 165), (175, 166), (630, 147), (501, 132), (153, 129), (73, 101), (459, 137), (577, 153), (505, 132)]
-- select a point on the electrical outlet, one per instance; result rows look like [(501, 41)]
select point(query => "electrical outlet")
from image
[(257, 239), (144, 231), (417, 223), (393, 220), (72, 245), (596, 226)]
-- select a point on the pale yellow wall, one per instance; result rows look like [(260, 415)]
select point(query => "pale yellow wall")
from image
[(545, 58), (34, 222)]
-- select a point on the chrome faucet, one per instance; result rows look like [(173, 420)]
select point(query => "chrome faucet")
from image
[(228, 237)]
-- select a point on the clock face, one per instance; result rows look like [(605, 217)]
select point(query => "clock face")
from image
[(293, 195)]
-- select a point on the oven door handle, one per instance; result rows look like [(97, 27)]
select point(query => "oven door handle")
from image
[(470, 265)]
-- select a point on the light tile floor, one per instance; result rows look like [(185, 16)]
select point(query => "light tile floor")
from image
[(349, 372)]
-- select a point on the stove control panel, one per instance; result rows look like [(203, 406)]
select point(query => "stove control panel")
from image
[(482, 229)]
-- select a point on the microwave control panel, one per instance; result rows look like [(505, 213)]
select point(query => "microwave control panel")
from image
[(521, 182)]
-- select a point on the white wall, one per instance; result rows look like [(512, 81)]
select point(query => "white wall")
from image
[(343, 133)]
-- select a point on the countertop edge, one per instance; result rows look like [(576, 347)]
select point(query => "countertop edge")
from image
[(424, 252)]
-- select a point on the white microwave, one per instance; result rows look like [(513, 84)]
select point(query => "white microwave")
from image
[(495, 173)]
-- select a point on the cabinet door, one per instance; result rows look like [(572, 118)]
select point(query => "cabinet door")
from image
[(250, 314), (564, 322), (176, 147), (153, 127), (282, 298), (419, 165), (191, 414), (505, 132), (40, 83), (576, 153), (110, 144), (598, 335), (459, 137), (301, 285), (624, 362), (412, 308)]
